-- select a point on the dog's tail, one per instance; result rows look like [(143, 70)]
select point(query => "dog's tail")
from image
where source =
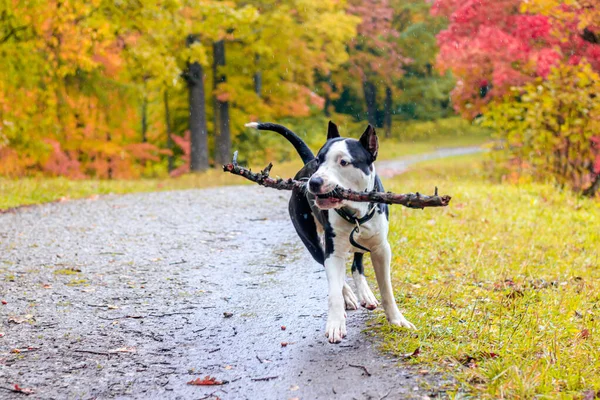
[(301, 147)]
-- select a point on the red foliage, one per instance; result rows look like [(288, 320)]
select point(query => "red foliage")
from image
[(373, 50), (491, 41), (61, 164), (185, 144), (596, 148)]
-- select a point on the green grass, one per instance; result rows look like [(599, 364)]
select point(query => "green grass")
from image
[(28, 191), (504, 284)]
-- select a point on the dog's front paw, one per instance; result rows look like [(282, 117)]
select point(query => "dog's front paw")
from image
[(336, 329), (403, 322), (350, 300)]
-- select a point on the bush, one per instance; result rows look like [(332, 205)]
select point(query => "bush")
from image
[(551, 128)]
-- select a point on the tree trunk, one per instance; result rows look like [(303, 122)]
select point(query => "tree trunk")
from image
[(257, 77), (223, 138), (371, 100), (144, 118), (328, 97), (387, 119), (595, 187), (197, 102), (169, 131)]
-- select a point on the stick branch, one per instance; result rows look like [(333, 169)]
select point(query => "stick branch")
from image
[(410, 200)]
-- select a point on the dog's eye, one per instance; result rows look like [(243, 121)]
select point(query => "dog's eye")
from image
[(343, 163)]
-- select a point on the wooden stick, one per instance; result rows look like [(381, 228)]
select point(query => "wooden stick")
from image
[(410, 200)]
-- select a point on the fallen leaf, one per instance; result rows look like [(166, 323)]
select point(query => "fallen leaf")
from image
[(206, 381), (19, 320), (283, 328), (471, 360), (19, 389), (15, 351), (123, 350), (227, 315), (413, 354), (584, 334)]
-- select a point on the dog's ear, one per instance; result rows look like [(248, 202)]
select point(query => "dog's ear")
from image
[(332, 131), (370, 142)]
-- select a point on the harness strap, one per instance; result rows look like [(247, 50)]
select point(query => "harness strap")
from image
[(358, 222)]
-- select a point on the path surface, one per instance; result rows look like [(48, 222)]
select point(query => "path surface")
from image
[(125, 296)]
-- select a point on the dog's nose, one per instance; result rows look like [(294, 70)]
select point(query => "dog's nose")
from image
[(315, 184)]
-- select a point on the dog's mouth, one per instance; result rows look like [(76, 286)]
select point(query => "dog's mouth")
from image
[(325, 201)]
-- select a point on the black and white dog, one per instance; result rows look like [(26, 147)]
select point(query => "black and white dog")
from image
[(331, 228)]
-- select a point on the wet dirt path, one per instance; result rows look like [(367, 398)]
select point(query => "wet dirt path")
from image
[(133, 296)]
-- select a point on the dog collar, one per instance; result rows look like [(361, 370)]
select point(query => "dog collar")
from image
[(357, 222)]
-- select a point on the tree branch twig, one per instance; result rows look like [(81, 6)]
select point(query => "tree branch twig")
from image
[(410, 200)]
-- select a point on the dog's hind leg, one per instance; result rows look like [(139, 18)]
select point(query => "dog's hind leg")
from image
[(350, 299), (365, 295), (381, 257)]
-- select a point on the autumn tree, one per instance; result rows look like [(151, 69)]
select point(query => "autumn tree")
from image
[(530, 68), (491, 45), (375, 58)]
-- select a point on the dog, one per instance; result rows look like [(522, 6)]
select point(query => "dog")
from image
[(331, 229)]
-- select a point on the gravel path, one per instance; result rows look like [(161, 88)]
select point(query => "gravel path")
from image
[(133, 296)]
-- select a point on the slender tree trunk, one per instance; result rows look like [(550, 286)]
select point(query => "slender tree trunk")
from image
[(144, 118), (371, 100), (327, 105), (223, 139), (327, 97), (169, 131), (197, 102), (387, 119), (257, 77)]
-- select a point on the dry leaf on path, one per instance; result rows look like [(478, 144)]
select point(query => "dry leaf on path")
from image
[(413, 354), (206, 381), (20, 319), (19, 389)]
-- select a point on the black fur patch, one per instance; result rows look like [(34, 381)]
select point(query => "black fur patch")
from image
[(357, 264), (329, 235), (301, 214), (322, 154), (361, 158), (382, 208)]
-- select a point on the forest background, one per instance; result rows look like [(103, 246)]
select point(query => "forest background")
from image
[(124, 89)]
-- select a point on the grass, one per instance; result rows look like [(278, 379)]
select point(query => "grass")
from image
[(28, 191), (504, 285)]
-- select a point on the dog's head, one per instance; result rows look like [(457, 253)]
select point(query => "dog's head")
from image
[(343, 162)]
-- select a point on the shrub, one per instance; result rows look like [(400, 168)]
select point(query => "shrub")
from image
[(551, 128)]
